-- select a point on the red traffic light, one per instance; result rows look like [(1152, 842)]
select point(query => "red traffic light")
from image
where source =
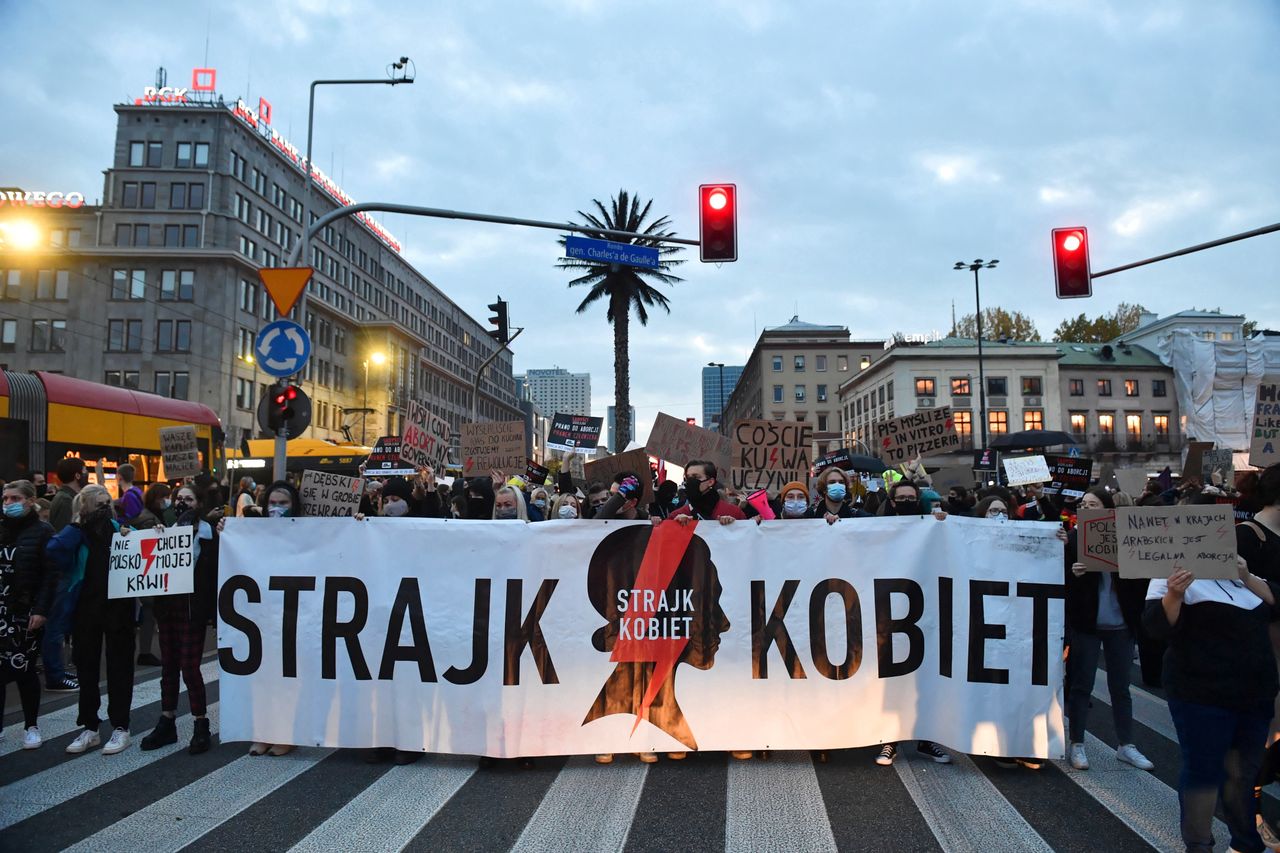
[(718, 222), (1071, 277)]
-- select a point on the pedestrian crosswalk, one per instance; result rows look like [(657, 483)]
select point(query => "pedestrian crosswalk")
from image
[(318, 799)]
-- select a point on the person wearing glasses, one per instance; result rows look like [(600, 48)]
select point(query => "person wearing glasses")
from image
[(182, 620)]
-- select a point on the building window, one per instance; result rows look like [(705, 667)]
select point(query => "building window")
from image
[(164, 379), (960, 386), (137, 155), (777, 393), (12, 285), (964, 425), (8, 335), (997, 423), (1033, 418), (52, 284), (1131, 387), (129, 194), (155, 155), (182, 158), (124, 235), (48, 335), (1076, 387), (128, 284), (244, 393), (173, 236), (799, 364), (173, 336), (124, 336), (777, 364), (822, 423), (1107, 424), (248, 295), (1032, 386), (1227, 336), (1104, 387), (122, 378), (820, 363), (177, 285), (842, 363), (998, 386), (864, 362), (1161, 424), (925, 386), (1133, 427), (881, 395), (191, 236), (1158, 388), (889, 386), (799, 393), (134, 194), (822, 393), (186, 196), (1078, 423)]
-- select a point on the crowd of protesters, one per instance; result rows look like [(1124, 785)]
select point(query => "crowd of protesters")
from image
[(1212, 645)]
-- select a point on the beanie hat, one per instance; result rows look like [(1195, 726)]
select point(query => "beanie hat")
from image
[(398, 487), (795, 484)]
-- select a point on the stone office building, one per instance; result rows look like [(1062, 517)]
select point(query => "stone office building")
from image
[(157, 288)]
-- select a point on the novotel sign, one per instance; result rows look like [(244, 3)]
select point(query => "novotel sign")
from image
[(205, 80)]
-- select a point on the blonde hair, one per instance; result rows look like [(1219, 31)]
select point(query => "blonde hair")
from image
[(560, 501), (522, 512), (90, 493)]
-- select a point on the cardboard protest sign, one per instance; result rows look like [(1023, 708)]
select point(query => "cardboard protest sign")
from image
[(950, 477), (678, 442), (1026, 469), (493, 444), (1264, 448), (574, 432), (536, 474), (1193, 461), (770, 454), (577, 468), (385, 461), (636, 461), (926, 432), (1220, 461), (152, 563), (426, 438), (330, 495), (1154, 541), (1133, 481), (180, 452), (1096, 539), (1069, 476)]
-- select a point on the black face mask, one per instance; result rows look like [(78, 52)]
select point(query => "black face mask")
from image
[(693, 488), (908, 508)]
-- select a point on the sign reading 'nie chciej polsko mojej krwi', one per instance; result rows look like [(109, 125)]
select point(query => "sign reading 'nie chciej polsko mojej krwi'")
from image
[(747, 636)]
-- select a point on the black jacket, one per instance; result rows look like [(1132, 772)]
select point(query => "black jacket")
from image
[(93, 607), (847, 510), (200, 605), (35, 578), (1083, 592)]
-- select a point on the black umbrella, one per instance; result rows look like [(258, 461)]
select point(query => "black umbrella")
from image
[(869, 464), (1032, 438)]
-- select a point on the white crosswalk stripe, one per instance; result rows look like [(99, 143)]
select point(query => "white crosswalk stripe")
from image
[(776, 805), (598, 800)]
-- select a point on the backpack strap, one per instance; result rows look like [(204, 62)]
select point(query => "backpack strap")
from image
[(1254, 526)]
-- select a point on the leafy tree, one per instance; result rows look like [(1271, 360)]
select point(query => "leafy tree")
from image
[(998, 323), (1107, 327), (624, 287)]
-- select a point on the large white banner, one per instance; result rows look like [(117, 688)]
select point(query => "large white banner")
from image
[(576, 637)]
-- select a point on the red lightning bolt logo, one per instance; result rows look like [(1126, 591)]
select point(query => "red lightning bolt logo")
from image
[(148, 547), (667, 545)]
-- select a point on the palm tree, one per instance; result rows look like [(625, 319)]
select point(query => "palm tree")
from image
[(625, 286)]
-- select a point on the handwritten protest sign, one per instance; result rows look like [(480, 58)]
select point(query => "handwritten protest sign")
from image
[(679, 442), (770, 454), (1156, 540), (537, 474), (1219, 461), (1026, 469), (152, 563), (636, 461), (574, 432), (577, 468), (1069, 475), (927, 432), (1096, 538), (493, 444), (1132, 481), (330, 495), (426, 438), (1264, 449), (180, 452)]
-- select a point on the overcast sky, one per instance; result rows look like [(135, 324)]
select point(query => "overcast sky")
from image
[(873, 144)]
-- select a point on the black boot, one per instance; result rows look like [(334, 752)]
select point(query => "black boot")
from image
[(165, 733), (200, 739)]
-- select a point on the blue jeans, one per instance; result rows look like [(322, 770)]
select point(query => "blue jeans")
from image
[(1221, 750), (55, 629), (1117, 647)]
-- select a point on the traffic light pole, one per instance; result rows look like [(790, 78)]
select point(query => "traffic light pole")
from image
[(475, 386), (1200, 247), (282, 451)]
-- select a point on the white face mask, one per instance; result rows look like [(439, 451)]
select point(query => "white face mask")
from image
[(568, 511), (794, 507), (395, 509), (166, 503)]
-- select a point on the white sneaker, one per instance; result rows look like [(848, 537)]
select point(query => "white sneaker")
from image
[(85, 740), (1079, 760), (32, 739), (1128, 753), (119, 742)]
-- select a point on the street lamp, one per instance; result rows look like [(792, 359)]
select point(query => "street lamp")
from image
[(720, 419), (982, 376), (379, 359), (19, 235)]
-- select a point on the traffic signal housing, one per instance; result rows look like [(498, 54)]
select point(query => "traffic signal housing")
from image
[(1071, 277), (502, 328), (287, 407), (718, 223)]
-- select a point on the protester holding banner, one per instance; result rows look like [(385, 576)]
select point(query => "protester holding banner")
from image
[(281, 500), (539, 501), (624, 499), (702, 495), (1104, 613), (566, 507), (182, 620), (509, 505), (1221, 683), (665, 500), (101, 620), (993, 507), (835, 493), (28, 581), (795, 500)]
